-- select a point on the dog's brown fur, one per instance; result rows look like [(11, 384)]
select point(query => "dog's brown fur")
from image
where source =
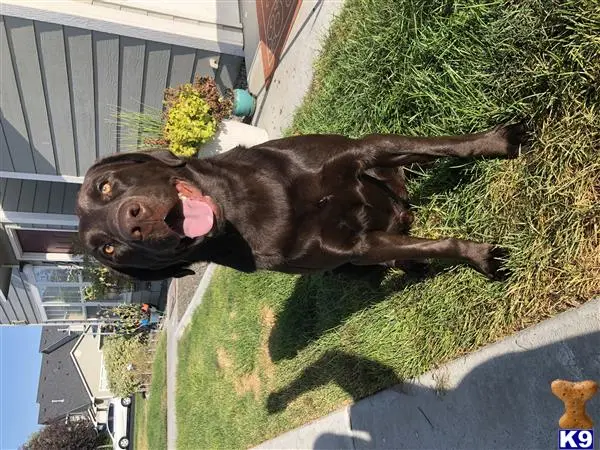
[(298, 205)]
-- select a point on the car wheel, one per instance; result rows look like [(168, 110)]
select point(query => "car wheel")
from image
[(126, 401), (124, 442)]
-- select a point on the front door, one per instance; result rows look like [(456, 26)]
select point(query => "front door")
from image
[(42, 244), (46, 241)]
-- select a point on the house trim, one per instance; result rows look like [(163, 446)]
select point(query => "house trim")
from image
[(11, 232), (96, 17), (55, 220), (33, 291), (79, 371), (41, 177)]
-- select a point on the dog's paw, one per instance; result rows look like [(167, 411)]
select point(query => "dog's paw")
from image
[(493, 263), (516, 138)]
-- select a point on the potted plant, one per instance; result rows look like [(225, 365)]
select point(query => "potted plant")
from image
[(195, 121), (244, 103)]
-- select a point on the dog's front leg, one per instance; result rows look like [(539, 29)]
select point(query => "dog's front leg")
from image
[(379, 247)]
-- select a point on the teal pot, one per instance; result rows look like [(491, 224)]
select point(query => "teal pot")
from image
[(244, 103)]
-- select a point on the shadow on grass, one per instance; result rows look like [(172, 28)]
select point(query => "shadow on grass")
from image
[(440, 177), (322, 302), (496, 401), (356, 375)]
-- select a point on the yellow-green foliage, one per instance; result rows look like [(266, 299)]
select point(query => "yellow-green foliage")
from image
[(119, 353), (189, 123)]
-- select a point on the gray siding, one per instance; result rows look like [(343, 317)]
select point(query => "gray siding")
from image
[(19, 307), (3, 316), (38, 196), (23, 305), (62, 86), (7, 255), (11, 110), (26, 66)]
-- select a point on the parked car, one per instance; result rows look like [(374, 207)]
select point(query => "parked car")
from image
[(117, 422)]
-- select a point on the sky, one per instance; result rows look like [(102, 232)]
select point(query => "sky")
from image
[(19, 375)]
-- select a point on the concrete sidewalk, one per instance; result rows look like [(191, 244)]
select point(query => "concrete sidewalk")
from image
[(189, 293), (294, 73), (170, 327), (496, 398)]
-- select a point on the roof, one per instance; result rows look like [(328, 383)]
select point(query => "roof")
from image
[(5, 276), (60, 389), (54, 337)]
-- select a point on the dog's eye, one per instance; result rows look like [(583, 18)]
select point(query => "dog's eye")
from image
[(105, 188), (108, 249)]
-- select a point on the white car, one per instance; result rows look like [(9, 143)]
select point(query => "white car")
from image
[(117, 421)]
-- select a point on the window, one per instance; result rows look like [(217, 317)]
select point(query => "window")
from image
[(31, 243), (71, 312), (61, 292)]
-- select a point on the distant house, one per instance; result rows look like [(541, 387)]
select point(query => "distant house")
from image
[(61, 391), (73, 383), (66, 68)]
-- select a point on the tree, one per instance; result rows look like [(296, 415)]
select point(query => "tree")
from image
[(123, 319), (79, 435)]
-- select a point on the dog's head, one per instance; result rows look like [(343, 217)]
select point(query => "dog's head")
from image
[(142, 214)]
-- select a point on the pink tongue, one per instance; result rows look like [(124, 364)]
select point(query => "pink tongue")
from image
[(198, 218)]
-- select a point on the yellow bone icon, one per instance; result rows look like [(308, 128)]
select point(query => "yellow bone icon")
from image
[(574, 395)]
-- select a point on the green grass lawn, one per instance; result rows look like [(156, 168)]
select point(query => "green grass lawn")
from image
[(150, 426), (140, 420), (267, 352)]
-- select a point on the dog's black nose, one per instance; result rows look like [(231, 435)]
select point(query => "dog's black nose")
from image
[(133, 210), (133, 220)]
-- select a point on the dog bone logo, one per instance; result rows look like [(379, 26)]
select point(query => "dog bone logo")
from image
[(574, 395)]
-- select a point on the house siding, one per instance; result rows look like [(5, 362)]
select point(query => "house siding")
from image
[(38, 197), (24, 307), (3, 315), (61, 87), (88, 357)]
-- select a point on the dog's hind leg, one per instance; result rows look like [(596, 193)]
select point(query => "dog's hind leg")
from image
[(380, 247), (386, 150)]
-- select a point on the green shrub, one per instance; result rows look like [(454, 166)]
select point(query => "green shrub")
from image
[(125, 361), (189, 123), (190, 116)]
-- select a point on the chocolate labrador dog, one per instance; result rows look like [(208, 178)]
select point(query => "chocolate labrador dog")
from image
[(297, 205)]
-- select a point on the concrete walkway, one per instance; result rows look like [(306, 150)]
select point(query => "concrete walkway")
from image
[(293, 76), (175, 326), (171, 326), (496, 398)]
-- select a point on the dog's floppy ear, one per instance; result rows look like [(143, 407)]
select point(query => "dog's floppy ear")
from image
[(164, 156), (175, 271)]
